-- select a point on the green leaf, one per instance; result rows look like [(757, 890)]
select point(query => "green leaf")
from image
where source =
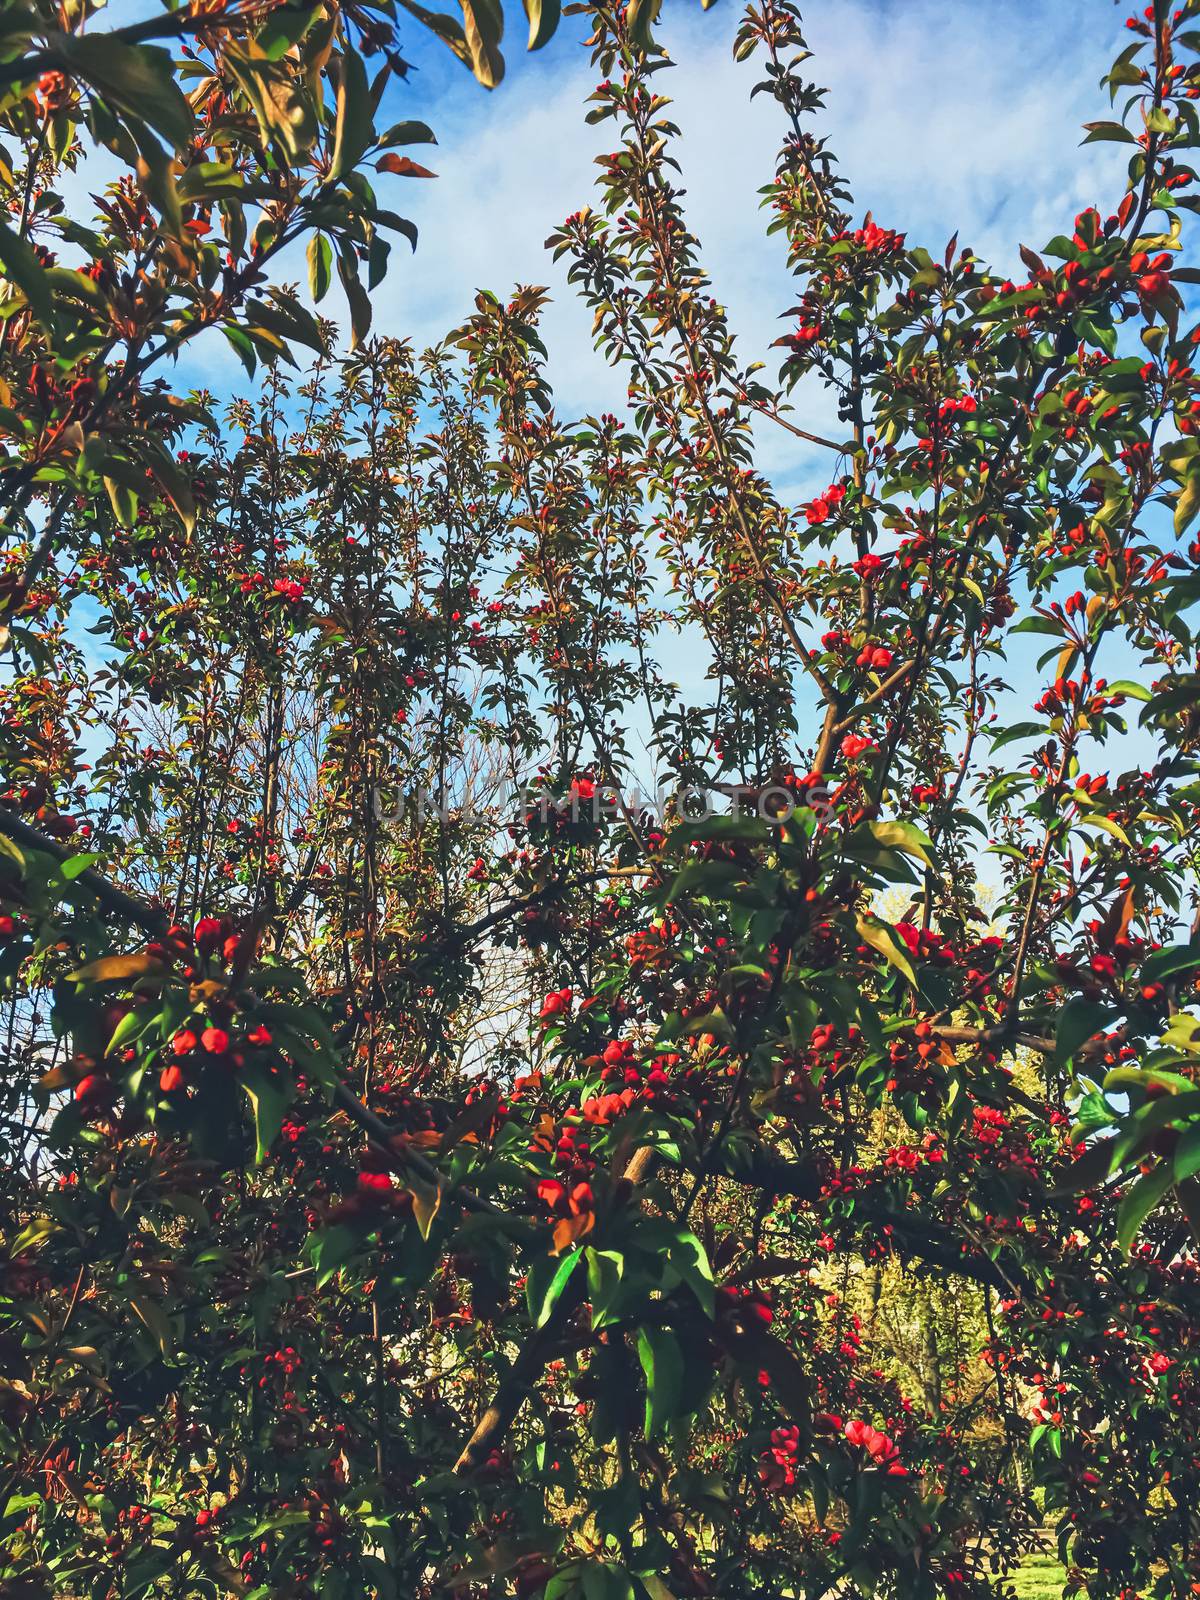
[(662, 1362), (1078, 1021), (1105, 825), (285, 319), (1167, 962), (330, 1249), (129, 1027), (1187, 502), (564, 1581), (905, 837), (172, 481), (543, 20), (271, 346), (607, 1582), (269, 1095), (1125, 70), (715, 1022), (406, 133), (752, 830), (887, 941), (1125, 1078), (543, 1296), (123, 501), (606, 1269), (1139, 1131), (282, 106), (483, 27), (712, 880), (1187, 1192), (22, 267), (137, 78), (154, 1319), (392, 219), (18, 1503), (641, 16), (243, 346), (1127, 687), (71, 869), (1140, 1202), (448, 29), (355, 128), (1093, 1167), (207, 179), (1186, 1160), (138, 964), (32, 1234), (689, 1260), (1183, 692), (587, 1580), (1019, 730), (1111, 131), (427, 1202), (1037, 624), (13, 852), (1066, 250), (357, 299), (285, 26)]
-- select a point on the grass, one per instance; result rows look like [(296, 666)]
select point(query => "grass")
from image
[(1039, 1577)]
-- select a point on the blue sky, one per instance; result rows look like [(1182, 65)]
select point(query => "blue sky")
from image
[(947, 116)]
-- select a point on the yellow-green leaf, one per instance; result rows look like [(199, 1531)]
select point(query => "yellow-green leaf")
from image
[(887, 941)]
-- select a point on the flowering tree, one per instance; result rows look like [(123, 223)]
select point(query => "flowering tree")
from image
[(413, 1192)]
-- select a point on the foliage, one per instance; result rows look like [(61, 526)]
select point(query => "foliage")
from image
[(256, 138), (414, 1191)]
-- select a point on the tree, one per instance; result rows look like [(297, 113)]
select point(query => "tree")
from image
[(416, 1190), (256, 138)]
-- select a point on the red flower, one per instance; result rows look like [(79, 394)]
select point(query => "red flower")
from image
[(94, 1089), (209, 933), (854, 744), (866, 565), (555, 1004), (375, 1185), (882, 1450), (911, 936)]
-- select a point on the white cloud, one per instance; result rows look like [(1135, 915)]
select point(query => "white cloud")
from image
[(944, 117)]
